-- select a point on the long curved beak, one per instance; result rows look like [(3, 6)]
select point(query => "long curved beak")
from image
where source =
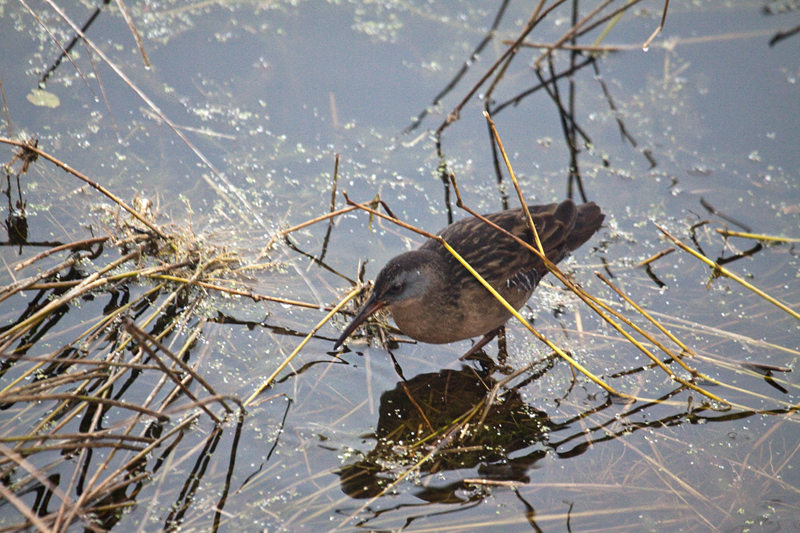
[(372, 305)]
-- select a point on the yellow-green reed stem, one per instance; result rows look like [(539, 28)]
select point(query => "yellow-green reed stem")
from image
[(728, 274), (321, 323), (530, 328), (768, 238)]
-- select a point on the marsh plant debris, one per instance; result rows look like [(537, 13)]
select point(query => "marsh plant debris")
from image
[(146, 385), (96, 408), (101, 399)]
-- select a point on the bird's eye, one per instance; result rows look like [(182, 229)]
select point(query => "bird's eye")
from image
[(395, 288)]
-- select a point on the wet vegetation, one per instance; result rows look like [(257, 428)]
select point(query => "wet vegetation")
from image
[(165, 354)]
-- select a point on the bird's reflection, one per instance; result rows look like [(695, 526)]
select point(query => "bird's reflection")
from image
[(417, 413)]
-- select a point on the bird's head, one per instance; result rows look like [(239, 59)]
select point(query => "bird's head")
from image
[(404, 282)]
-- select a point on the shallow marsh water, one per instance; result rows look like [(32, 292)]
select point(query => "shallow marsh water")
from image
[(268, 93)]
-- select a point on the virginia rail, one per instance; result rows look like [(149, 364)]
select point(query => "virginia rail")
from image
[(434, 299)]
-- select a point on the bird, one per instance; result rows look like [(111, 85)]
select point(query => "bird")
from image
[(434, 299)]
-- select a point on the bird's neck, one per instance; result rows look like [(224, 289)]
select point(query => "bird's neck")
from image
[(427, 316)]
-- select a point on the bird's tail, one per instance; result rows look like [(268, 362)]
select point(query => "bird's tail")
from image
[(587, 221)]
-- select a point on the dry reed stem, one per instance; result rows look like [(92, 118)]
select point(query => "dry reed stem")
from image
[(659, 28), (123, 9), (85, 244), (720, 270), (656, 257), (521, 197), (27, 146), (63, 51), (39, 476), (647, 315), (103, 434), (576, 47), (66, 446), (24, 284), (533, 20), (75, 361), (23, 509), (308, 337), (302, 225), (697, 328), (571, 32), (613, 17), (653, 340), (130, 327), (11, 398), (141, 339), (192, 337), (510, 51), (217, 398), (768, 238), (255, 297)]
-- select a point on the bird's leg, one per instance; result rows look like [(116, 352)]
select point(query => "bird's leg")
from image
[(397, 366), (502, 351), (481, 343)]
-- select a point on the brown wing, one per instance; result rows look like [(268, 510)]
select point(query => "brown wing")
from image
[(502, 261)]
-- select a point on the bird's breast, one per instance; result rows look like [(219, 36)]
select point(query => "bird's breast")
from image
[(474, 313)]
